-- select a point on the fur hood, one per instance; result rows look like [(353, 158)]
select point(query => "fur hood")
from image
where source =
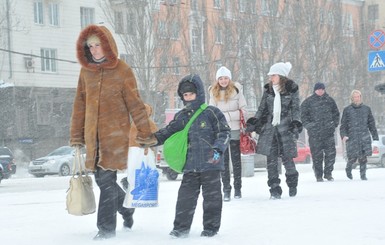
[(107, 42)]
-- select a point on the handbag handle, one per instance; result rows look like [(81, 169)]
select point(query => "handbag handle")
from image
[(242, 123), (78, 159)]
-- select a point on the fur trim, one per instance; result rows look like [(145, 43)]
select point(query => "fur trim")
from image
[(108, 44)]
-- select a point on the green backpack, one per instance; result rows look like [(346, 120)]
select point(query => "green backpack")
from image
[(175, 147)]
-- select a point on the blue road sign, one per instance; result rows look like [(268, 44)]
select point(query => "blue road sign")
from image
[(377, 39), (376, 60)]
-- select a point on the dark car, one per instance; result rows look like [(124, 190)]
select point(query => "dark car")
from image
[(7, 163)]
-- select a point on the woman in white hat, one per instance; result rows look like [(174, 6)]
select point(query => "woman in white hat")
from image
[(228, 97), (278, 123)]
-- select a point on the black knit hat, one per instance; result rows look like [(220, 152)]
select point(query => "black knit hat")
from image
[(319, 86), (186, 87)]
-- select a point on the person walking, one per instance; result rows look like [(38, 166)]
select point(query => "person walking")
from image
[(106, 97), (208, 138), (320, 116), (228, 97), (278, 123), (357, 125)]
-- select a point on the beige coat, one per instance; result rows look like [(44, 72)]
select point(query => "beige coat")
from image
[(231, 108), (106, 97)]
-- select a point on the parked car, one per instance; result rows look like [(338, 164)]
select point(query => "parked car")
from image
[(59, 161), (7, 163), (304, 156), (378, 152)]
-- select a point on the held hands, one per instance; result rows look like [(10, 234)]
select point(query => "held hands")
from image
[(216, 157), (147, 142), (251, 123)]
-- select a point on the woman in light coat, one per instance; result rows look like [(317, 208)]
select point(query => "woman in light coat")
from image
[(228, 97)]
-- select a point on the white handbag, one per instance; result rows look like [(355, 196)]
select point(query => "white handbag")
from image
[(80, 195)]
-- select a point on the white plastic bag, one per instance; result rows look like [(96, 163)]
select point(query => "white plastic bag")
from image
[(143, 179)]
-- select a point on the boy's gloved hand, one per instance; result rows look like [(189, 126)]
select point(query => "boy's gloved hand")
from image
[(216, 157)]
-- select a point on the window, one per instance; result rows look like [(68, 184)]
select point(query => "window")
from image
[(266, 40), (163, 64), (38, 12), (217, 4), (118, 22), (129, 59), (195, 40), (242, 6), (174, 30), (48, 60), (373, 12), (176, 64), (218, 35), (87, 16), (131, 23), (347, 25), (44, 109), (194, 5), (53, 14), (162, 30)]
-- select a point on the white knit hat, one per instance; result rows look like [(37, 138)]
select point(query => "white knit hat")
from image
[(223, 72), (280, 68)]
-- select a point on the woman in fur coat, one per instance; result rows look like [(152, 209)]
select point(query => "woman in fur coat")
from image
[(106, 97)]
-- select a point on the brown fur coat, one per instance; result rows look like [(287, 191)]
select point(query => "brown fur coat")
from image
[(106, 97)]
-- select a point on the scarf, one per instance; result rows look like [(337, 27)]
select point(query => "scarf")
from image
[(277, 106)]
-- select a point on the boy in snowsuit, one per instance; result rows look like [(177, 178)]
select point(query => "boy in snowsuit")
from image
[(208, 138)]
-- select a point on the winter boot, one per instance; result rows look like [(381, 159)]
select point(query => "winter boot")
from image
[(363, 171), (208, 233), (226, 197), (292, 191), (179, 234), (349, 173), (320, 179), (329, 177), (237, 194), (275, 192)]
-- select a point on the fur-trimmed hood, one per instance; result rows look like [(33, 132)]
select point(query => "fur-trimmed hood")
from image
[(290, 86), (106, 41)]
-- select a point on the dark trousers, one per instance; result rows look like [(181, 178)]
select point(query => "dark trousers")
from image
[(362, 160), (187, 200), (234, 148), (323, 150), (272, 168), (110, 201)]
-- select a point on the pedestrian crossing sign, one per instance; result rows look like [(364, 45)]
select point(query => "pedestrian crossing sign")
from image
[(376, 61)]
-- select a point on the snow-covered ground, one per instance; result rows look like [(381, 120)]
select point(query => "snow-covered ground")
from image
[(340, 212)]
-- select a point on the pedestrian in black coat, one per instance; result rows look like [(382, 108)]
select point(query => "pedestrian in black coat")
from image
[(278, 123), (357, 124), (320, 116)]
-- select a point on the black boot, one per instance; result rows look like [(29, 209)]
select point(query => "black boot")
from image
[(226, 197), (292, 191), (103, 235), (349, 173), (237, 194), (275, 192)]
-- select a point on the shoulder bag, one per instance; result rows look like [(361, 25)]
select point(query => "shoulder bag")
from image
[(175, 147)]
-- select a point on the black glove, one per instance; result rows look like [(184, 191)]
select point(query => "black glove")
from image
[(295, 127), (251, 123), (216, 157)]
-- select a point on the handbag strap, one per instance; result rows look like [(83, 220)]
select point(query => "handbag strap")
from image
[(242, 122), (77, 162), (196, 114)]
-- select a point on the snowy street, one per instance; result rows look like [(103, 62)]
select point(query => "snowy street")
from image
[(340, 212)]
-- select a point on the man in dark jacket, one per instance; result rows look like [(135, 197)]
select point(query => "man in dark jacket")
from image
[(208, 138), (357, 124), (320, 116)]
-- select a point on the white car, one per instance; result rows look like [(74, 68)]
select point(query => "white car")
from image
[(378, 152), (60, 162)]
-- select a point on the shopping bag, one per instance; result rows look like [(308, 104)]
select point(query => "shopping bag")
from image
[(143, 179), (80, 198), (246, 141)]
